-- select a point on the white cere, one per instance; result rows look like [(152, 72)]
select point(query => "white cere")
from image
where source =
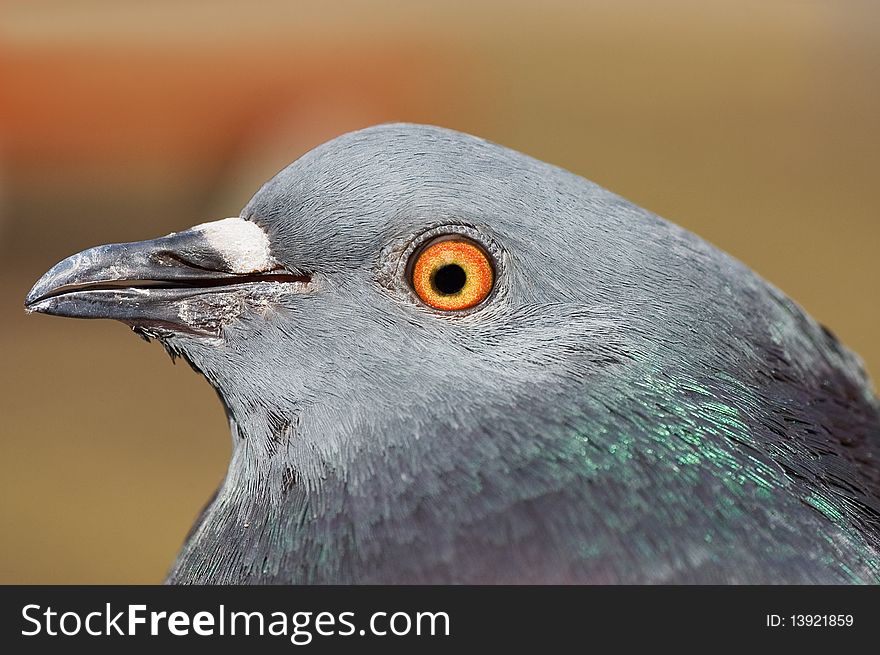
[(244, 245)]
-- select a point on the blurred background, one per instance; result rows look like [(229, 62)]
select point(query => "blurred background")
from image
[(755, 124)]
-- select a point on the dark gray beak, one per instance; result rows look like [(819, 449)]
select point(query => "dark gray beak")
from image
[(166, 283)]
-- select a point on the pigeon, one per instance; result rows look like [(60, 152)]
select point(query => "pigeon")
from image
[(444, 361)]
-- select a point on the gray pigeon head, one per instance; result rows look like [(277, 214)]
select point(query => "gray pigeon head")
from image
[(613, 406)]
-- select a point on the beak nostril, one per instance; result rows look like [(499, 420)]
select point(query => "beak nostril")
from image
[(171, 258)]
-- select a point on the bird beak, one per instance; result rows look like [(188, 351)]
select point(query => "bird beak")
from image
[(170, 283)]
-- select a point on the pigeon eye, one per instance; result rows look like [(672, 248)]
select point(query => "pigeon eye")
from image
[(452, 273)]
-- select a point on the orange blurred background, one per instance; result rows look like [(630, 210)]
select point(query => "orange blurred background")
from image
[(754, 124)]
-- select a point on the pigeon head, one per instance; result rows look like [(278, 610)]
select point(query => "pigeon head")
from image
[(443, 360), (305, 313)]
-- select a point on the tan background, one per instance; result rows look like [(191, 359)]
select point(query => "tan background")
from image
[(753, 123)]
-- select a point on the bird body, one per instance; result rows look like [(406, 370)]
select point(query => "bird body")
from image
[(626, 404)]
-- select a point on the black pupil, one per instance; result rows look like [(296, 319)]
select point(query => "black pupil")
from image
[(449, 279)]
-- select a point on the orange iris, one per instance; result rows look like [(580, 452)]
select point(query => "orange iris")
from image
[(452, 273)]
